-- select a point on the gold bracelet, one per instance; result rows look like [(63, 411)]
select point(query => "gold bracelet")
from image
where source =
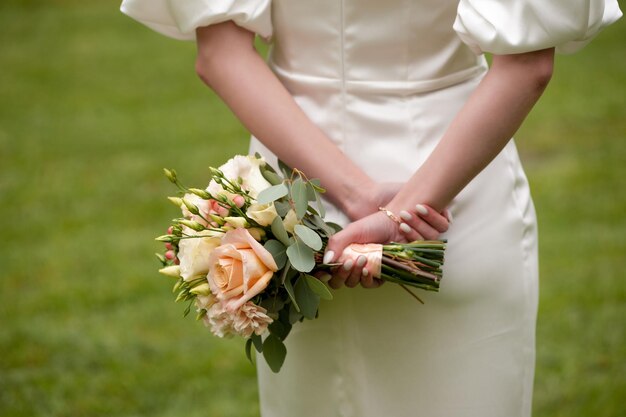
[(391, 215)]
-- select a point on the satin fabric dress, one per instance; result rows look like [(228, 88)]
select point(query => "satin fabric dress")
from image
[(384, 80)]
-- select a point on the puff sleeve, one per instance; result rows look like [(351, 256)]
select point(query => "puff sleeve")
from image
[(516, 26), (179, 19)]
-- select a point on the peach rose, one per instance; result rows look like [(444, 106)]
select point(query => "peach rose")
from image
[(240, 268)]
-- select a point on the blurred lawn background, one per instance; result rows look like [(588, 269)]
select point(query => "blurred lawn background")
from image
[(93, 105)]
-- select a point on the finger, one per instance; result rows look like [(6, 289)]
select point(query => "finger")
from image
[(436, 220), (418, 224), (341, 274), (408, 231), (367, 280), (356, 272)]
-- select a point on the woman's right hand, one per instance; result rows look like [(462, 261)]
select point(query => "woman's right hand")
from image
[(378, 227)]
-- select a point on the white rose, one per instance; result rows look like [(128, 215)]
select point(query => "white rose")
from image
[(290, 221), (263, 214), (193, 253), (248, 168)]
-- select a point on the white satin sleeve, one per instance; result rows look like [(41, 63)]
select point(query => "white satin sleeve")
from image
[(516, 26), (179, 19)]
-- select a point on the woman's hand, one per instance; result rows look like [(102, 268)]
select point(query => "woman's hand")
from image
[(379, 227)]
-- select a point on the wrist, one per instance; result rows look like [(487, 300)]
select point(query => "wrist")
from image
[(357, 200)]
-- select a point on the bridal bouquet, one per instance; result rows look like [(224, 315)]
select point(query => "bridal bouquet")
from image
[(245, 249)]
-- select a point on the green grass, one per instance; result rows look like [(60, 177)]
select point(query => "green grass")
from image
[(92, 105)]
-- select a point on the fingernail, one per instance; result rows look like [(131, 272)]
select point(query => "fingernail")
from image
[(365, 272), (405, 227), (421, 209), (328, 256), (405, 215), (449, 215), (361, 261), (348, 265)]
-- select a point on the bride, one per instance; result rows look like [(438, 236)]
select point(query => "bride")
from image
[(392, 105)]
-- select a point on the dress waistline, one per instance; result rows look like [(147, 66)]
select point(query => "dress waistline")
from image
[(294, 82)]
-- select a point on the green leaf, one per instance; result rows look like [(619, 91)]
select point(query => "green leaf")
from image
[(257, 342), (299, 197), (249, 350), (279, 231), (272, 193), (278, 251), (271, 176), (310, 191), (308, 236), (291, 294), (286, 169), (320, 205), (279, 329), (282, 208), (301, 256), (294, 314), (336, 228), (318, 287), (307, 299), (317, 184), (274, 352)]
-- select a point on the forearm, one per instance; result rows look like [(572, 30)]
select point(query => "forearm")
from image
[(480, 131), (228, 63)]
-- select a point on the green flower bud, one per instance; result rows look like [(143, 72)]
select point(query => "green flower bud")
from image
[(202, 289), (200, 193), (192, 225), (166, 238), (171, 175), (176, 201), (171, 271), (190, 206)]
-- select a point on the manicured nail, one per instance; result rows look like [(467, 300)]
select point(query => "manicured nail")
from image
[(348, 265), (328, 256), (421, 209), (405, 215), (448, 214), (365, 272), (405, 228), (361, 261)]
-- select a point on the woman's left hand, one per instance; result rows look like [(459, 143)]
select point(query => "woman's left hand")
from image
[(423, 223)]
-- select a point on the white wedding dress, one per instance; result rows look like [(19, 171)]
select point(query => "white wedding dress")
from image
[(384, 79)]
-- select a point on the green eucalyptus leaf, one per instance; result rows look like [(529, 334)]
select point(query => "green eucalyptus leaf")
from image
[(299, 197), (320, 205), (257, 341), (318, 287), (272, 193), (249, 350), (279, 231), (307, 299), (310, 191), (317, 184), (294, 314), (274, 352), (308, 236), (279, 329), (286, 169), (271, 176), (282, 207), (301, 256), (278, 251), (336, 228), (292, 294)]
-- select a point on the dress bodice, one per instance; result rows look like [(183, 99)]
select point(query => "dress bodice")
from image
[(396, 44)]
